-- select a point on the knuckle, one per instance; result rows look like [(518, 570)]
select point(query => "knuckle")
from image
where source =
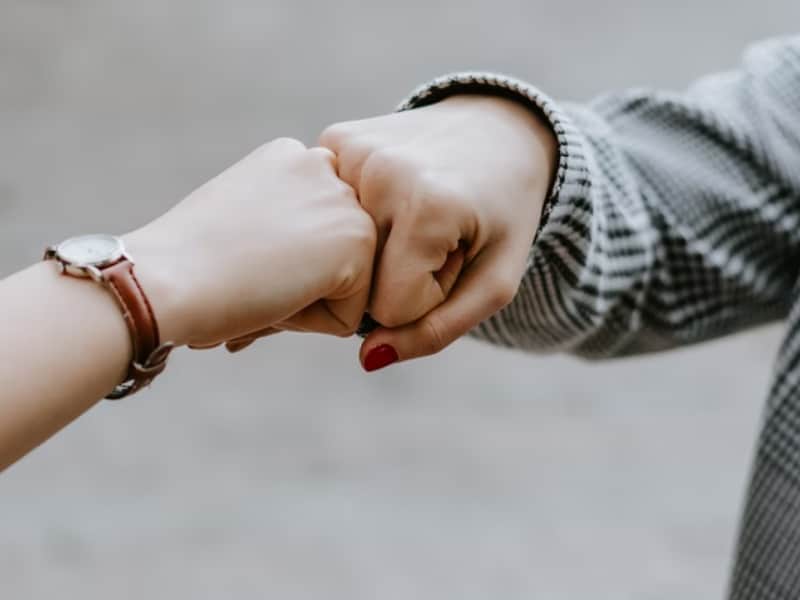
[(355, 270), (428, 182), (440, 190), (355, 242), (433, 338), (319, 153), (422, 207), (366, 233), (380, 168), (351, 325), (278, 149), (264, 151), (434, 199), (284, 144), (387, 164), (386, 312), (334, 135), (502, 290), (379, 165), (321, 163), (356, 229), (345, 330), (345, 315), (346, 193), (351, 275)]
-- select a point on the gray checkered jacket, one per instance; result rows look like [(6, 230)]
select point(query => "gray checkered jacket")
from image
[(674, 219)]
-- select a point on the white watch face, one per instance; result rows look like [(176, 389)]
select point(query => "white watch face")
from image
[(91, 250)]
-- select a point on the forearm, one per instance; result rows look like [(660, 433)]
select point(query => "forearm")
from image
[(65, 346)]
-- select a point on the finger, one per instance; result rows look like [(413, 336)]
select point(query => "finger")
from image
[(430, 220), (333, 136), (416, 270), (325, 153), (348, 307), (253, 335), (320, 318), (203, 346), (351, 152), (234, 347), (447, 276), (242, 342), (438, 288), (484, 288)]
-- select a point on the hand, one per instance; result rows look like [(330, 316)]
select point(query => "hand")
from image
[(456, 190), (277, 238)]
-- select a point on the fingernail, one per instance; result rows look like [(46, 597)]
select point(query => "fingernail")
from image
[(380, 357)]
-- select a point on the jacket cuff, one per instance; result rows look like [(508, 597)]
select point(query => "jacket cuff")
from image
[(572, 168)]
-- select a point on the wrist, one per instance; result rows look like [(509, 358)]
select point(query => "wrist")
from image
[(524, 122), (154, 267), (555, 120)]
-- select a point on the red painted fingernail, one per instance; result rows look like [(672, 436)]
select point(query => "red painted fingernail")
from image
[(379, 357)]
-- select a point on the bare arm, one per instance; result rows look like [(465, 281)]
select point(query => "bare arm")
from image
[(64, 347), (214, 268)]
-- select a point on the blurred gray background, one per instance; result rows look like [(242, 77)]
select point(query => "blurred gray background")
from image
[(286, 472)]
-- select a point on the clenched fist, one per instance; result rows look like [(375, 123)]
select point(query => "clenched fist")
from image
[(456, 190), (275, 241)]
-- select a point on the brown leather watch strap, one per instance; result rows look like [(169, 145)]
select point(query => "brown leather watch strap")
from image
[(149, 356)]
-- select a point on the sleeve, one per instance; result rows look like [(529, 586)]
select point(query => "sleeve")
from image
[(674, 218)]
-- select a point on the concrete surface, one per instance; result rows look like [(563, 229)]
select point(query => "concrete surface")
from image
[(286, 472)]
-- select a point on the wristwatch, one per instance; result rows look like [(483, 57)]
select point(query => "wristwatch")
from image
[(103, 259)]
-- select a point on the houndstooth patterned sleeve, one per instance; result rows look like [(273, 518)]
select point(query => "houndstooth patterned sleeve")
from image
[(674, 218)]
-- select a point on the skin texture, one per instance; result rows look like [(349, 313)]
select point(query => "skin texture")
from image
[(456, 190), (214, 268)]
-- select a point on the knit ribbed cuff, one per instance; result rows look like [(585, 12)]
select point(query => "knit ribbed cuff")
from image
[(570, 161)]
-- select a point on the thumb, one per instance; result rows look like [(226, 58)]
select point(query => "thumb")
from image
[(484, 288)]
